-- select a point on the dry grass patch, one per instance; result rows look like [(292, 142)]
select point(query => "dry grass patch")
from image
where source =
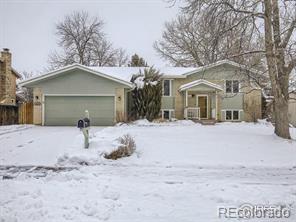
[(126, 148)]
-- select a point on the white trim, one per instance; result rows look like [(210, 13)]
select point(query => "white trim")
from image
[(186, 98), (42, 109), (170, 112), (200, 95), (216, 117), (72, 67), (199, 82), (170, 80), (232, 120), (69, 95)]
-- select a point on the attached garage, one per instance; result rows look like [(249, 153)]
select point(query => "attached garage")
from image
[(66, 110), (61, 97)]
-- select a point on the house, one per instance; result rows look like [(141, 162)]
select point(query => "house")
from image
[(8, 77), (222, 91), (292, 109)]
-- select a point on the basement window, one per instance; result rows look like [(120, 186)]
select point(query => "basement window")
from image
[(232, 115), (167, 114)]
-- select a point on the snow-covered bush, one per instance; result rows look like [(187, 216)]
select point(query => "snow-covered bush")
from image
[(146, 96), (127, 147)]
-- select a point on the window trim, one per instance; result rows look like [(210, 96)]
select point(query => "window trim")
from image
[(232, 120), (232, 80), (170, 85)]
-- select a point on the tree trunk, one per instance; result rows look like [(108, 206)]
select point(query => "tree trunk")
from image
[(275, 63), (281, 118)]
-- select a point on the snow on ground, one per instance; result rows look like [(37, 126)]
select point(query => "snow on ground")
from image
[(175, 143), (182, 171)]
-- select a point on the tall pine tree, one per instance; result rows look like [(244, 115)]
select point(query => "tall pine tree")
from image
[(146, 96), (137, 61)]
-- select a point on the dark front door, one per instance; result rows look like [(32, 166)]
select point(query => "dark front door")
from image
[(203, 106)]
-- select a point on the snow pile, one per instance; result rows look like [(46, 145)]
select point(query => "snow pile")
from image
[(264, 122), (78, 159), (139, 82), (145, 122)]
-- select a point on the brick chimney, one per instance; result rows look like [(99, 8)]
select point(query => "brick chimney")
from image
[(6, 61), (7, 79)]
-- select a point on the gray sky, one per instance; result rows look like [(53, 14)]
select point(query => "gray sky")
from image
[(27, 27)]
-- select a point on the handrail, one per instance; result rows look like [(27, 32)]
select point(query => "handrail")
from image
[(192, 113)]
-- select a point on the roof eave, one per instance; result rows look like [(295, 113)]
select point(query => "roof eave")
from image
[(197, 83), (69, 68)]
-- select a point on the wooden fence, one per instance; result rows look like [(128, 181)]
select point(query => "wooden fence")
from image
[(20, 114), (25, 113)]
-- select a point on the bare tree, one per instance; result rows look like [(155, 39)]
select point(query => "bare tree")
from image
[(121, 57), (83, 41), (24, 92), (190, 40), (275, 22)]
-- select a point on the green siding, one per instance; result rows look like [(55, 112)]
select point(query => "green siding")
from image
[(78, 82), (221, 72), (67, 110), (235, 102), (168, 102)]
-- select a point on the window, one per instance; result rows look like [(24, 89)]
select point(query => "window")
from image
[(228, 115), (167, 87), (235, 115), (235, 86), (228, 86), (167, 113), (232, 86), (232, 115)]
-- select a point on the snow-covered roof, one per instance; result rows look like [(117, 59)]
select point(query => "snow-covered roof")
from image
[(72, 67), (124, 74)]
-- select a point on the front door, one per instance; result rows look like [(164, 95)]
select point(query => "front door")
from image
[(203, 106)]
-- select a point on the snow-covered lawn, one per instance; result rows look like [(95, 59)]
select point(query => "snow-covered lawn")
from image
[(182, 171)]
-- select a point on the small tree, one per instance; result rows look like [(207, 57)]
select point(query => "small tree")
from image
[(146, 95)]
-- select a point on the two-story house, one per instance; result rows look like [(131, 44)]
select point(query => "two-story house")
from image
[(222, 91)]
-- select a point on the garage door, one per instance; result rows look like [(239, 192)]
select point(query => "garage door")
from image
[(67, 110)]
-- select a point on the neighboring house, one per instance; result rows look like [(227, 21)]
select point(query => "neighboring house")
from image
[(8, 77), (221, 91), (292, 109)]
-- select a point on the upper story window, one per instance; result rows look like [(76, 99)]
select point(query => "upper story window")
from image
[(232, 86), (167, 87)]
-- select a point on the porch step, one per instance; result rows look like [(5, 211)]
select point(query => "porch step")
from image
[(207, 121)]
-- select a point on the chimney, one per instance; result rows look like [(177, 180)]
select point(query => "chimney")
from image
[(6, 60), (7, 83)]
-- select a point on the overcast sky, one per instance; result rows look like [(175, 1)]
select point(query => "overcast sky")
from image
[(27, 27)]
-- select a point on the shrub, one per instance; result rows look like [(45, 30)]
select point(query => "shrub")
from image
[(126, 148)]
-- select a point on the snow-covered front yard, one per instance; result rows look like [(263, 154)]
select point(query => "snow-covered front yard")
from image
[(182, 171)]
